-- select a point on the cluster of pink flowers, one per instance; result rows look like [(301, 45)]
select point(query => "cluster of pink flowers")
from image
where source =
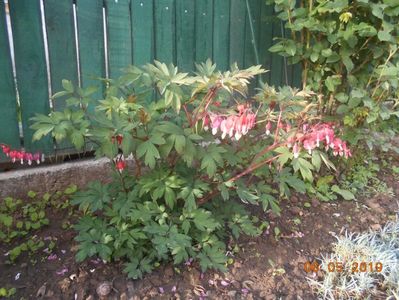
[(235, 125), (314, 135), (21, 155)]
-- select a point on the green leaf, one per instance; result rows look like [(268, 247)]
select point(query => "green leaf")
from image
[(354, 102), (246, 196), (285, 156), (67, 85), (384, 36), (316, 160), (290, 48), (150, 151), (60, 94), (77, 139), (342, 97), (332, 82), (347, 195), (71, 189), (170, 197), (42, 131), (94, 197), (314, 56), (342, 109), (348, 63), (212, 257), (326, 161), (203, 220), (6, 220), (31, 194), (180, 143)]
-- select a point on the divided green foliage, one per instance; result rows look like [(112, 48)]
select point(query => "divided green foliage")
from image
[(348, 51), (178, 190), (21, 221)]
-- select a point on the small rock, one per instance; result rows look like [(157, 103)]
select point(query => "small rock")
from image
[(194, 277), (294, 199), (152, 292), (74, 248), (49, 294), (315, 203), (267, 295), (251, 297), (232, 293), (41, 291), (248, 284), (272, 216), (130, 287), (177, 296), (104, 289), (375, 227), (236, 284), (295, 210), (168, 272), (64, 284)]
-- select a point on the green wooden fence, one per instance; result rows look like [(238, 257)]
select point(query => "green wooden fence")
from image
[(56, 39)]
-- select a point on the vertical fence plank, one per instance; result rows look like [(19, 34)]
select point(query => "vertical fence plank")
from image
[(165, 49), (91, 42), (277, 66), (9, 134), (185, 40), (62, 50), (31, 67), (203, 30), (142, 31), (238, 14), (250, 41), (266, 39), (221, 26), (119, 36)]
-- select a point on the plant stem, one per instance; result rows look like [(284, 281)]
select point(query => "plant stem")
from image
[(253, 167)]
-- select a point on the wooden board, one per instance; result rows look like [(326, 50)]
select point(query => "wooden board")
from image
[(266, 39), (203, 30), (61, 47), (221, 30), (185, 39), (238, 14), (252, 40), (91, 43), (165, 44), (31, 68), (119, 36), (142, 31), (276, 78), (9, 134)]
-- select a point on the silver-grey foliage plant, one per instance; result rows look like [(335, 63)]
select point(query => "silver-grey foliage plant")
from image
[(375, 246)]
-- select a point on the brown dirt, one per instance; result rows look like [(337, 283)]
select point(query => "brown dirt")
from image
[(264, 268)]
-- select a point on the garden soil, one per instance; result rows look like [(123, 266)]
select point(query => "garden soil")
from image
[(266, 267)]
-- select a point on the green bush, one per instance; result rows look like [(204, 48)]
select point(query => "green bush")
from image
[(348, 51), (196, 153)]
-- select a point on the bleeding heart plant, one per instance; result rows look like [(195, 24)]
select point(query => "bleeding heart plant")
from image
[(194, 150)]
